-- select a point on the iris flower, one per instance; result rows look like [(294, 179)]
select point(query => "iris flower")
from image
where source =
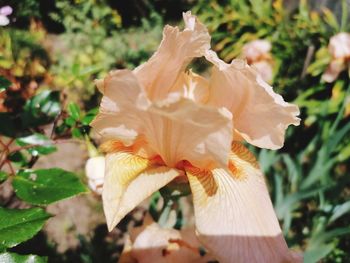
[(257, 54), (339, 49), (162, 123)]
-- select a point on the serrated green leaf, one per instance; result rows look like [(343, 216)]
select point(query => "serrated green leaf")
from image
[(3, 176), (19, 225), (76, 133), (36, 138), (74, 111), (90, 115), (44, 144), (42, 108), (16, 258), (70, 121), (46, 186)]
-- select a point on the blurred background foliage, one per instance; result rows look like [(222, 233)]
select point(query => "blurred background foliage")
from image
[(52, 50)]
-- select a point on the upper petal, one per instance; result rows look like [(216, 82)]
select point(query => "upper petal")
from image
[(117, 117), (129, 180), (182, 130), (192, 86), (177, 48), (176, 128), (234, 215), (260, 116)]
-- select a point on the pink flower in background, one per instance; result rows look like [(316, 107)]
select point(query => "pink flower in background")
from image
[(257, 54), (5, 11), (339, 48)]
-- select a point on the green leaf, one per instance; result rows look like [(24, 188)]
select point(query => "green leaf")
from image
[(4, 84), (43, 144), (19, 225), (70, 121), (45, 186), (340, 210), (15, 258), (76, 133), (74, 111), (42, 108), (3, 176), (316, 254), (90, 115)]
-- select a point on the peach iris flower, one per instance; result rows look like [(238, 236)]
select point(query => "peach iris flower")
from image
[(161, 122), (339, 48)]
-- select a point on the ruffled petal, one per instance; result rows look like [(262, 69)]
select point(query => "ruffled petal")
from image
[(192, 86), (234, 215), (129, 180), (177, 48), (179, 129), (260, 116), (176, 128), (117, 117)]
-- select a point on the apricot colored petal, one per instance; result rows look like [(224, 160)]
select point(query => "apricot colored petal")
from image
[(259, 114), (176, 128), (176, 50), (117, 119), (129, 180), (235, 219), (179, 129), (192, 86)]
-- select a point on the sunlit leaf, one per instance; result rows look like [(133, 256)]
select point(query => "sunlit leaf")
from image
[(19, 225), (74, 111), (42, 108), (46, 186), (3, 176), (43, 145)]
